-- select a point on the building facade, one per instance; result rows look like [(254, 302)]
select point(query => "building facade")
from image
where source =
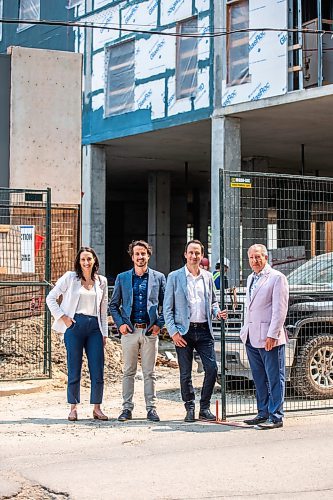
[(40, 127), (164, 111), (162, 114), (147, 108), (20, 33)]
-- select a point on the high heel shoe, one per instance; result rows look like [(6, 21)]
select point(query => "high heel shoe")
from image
[(72, 417), (100, 416)]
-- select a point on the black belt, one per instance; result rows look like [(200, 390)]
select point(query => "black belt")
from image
[(199, 325)]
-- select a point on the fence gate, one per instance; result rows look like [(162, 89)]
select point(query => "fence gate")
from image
[(293, 217), (25, 239)]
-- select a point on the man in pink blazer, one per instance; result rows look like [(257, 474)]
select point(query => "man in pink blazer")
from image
[(265, 337)]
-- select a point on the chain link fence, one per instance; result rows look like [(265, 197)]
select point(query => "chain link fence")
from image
[(293, 217), (28, 264)]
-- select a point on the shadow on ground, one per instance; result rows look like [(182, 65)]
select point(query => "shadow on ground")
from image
[(163, 426)]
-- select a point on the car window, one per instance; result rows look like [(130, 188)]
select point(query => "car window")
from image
[(318, 270)]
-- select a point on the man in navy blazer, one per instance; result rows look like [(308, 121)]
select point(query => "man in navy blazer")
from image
[(189, 304), (137, 309)]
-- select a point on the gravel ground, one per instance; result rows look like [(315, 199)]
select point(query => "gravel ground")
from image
[(43, 456)]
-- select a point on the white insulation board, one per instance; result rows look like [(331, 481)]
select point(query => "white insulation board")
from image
[(267, 57)]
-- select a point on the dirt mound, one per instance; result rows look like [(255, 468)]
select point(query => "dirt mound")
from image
[(22, 349), (24, 354), (112, 367)]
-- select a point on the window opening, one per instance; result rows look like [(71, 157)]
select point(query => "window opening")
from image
[(120, 78), (238, 43), (187, 59), (28, 9)]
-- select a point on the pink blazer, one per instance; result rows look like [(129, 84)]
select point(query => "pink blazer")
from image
[(267, 310)]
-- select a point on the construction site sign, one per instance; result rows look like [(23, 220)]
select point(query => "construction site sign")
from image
[(240, 182), (28, 249)]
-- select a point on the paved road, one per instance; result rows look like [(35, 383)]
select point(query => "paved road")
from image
[(43, 456)]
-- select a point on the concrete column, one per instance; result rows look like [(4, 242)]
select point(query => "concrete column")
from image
[(159, 220), (203, 218), (93, 200), (226, 154), (178, 227)]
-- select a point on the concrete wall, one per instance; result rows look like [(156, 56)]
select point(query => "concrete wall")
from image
[(45, 128), (4, 119)]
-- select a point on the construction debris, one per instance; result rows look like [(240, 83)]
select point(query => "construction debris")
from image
[(164, 361), (22, 354)]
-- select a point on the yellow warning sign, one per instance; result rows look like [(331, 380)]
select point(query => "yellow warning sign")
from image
[(240, 182)]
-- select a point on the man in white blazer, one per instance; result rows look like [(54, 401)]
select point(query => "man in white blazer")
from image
[(264, 336), (188, 306)]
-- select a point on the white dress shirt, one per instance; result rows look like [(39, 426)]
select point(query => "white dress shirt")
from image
[(196, 294)]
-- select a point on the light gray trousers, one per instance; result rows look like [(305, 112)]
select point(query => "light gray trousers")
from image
[(132, 343)]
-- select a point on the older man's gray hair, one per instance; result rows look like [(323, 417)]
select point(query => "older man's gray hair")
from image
[(260, 247)]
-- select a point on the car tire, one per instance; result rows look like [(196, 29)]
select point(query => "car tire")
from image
[(312, 375)]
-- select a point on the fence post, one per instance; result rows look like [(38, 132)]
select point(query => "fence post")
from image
[(47, 316), (222, 301)]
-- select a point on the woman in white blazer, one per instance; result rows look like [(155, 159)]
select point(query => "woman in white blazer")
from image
[(82, 317)]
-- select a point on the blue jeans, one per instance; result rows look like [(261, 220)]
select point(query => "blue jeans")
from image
[(201, 340), (268, 370), (84, 334)]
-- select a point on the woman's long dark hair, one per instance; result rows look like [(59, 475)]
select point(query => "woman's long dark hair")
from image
[(77, 265)]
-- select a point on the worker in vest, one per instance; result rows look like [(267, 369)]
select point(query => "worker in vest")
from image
[(217, 274)]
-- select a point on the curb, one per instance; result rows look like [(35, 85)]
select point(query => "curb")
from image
[(29, 387)]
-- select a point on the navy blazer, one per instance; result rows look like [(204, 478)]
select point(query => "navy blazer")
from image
[(122, 298)]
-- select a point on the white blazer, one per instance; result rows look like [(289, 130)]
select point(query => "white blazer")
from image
[(69, 287), (266, 311)]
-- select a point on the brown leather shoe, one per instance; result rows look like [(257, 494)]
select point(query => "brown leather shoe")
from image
[(100, 416), (72, 417)]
